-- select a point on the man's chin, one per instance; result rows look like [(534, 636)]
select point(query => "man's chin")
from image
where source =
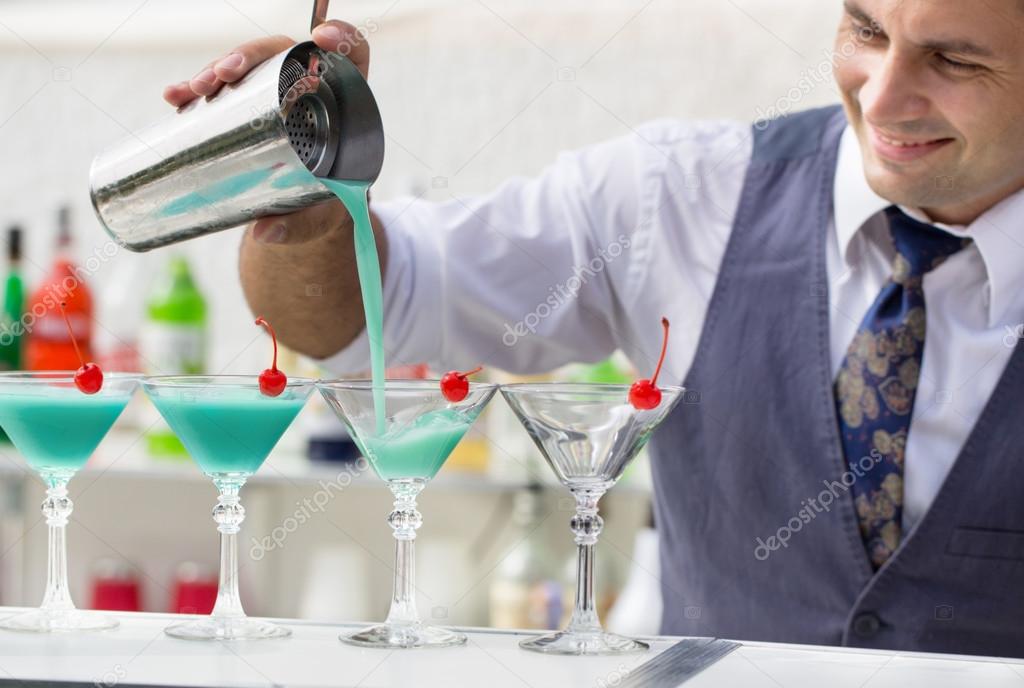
[(901, 187)]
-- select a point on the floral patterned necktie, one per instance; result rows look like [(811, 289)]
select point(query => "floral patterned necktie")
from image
[(877, 382)]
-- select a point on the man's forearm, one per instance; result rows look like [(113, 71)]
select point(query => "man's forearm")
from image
[(309, 291)]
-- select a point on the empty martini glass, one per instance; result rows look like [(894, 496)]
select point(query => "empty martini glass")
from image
[(406, 448), (228, 427), (56, 427), (588, 433)]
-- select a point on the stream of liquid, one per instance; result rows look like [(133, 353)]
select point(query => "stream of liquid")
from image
[(353, 196)]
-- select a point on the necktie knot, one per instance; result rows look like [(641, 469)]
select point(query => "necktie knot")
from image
[(920, 247)]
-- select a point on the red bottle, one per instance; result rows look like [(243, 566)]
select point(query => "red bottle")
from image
[(115, 587), (49, 346), (195, 590)]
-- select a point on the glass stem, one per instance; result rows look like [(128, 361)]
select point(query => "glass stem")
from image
[(228, 514), (404, 520), (586, 525), (57, 510)]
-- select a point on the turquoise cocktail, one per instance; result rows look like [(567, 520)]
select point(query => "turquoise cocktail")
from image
[(419, 449), (56, 430), (232, 431), (229, 427), (406, 445), (57, 427)]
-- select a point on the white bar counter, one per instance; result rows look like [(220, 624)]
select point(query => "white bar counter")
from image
[(138, 653)]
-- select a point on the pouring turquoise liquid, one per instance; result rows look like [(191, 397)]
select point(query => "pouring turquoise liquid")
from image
[(353, 196)]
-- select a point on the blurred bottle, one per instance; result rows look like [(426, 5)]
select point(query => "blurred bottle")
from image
[(49, 346), (115, 587), (195, 590), (11, 327), (326, 437), (526, 591), (14, 305), (173, 340), (120, 308), (614, 370)]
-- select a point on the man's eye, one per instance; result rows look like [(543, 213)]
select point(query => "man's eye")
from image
[(956, 66)]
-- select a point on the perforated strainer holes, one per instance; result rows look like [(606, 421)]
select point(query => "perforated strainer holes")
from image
[(306, 130)]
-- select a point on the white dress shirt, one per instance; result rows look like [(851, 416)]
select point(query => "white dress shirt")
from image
[(587, 257)]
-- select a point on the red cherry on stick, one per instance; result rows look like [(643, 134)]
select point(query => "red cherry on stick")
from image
[(455, 386), (644, 394), (272, 380), (88, 378)]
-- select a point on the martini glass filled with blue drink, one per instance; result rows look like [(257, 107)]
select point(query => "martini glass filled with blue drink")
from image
[(406, 429), (229, 424), (56, 420)]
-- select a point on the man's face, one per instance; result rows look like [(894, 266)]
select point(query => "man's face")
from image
[(935, 92)]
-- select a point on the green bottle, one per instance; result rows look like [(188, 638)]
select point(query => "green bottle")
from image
[(173, 339), (611, 371), (11, 327)]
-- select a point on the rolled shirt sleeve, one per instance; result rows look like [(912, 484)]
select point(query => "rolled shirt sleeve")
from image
[(542, 271)]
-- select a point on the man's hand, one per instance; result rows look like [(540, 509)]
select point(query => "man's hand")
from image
[(332, 36)]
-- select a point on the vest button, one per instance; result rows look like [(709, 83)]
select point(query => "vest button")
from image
[(866, 625)]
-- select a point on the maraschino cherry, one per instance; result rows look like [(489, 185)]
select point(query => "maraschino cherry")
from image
[(88, 378), (455, 386), (272, 380), (644, 394)]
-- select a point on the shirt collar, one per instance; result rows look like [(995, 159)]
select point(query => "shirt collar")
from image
[(998, 234)]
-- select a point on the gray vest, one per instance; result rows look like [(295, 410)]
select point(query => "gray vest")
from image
[(758, 534)]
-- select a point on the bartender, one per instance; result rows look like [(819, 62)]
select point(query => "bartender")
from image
[(846, 288)]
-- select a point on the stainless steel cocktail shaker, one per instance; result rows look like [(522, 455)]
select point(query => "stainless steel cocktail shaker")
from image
[(252, 150)]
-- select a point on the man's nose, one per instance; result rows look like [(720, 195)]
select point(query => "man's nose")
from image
[(893, 93)]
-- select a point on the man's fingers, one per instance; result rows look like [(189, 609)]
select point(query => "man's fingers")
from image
[(341, 37), (300, 227), (242, 59), (179, 94), (226, 69), (205, 82), (332, 36)]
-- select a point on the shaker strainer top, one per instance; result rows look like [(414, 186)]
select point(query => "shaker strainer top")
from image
[(310, 113)]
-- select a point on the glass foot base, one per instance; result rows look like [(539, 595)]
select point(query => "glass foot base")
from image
[(394, 636), (584, 643), (241, 628), (66, 620)]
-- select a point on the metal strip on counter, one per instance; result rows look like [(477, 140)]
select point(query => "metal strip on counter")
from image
[(679, 663)]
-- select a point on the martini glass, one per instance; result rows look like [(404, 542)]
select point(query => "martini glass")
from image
[(228, 427), (56, 427), (406, 448), (588, 433)]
